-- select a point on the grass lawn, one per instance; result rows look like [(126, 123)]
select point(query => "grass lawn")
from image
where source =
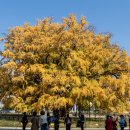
[(9, 123), (88, 124)]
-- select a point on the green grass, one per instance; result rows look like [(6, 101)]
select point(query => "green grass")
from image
[(88, 124), (9, 123)]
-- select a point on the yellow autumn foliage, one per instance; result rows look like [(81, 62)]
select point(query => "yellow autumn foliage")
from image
[(56, 65)]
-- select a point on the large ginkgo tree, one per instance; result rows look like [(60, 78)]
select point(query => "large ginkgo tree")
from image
[(58, 65)]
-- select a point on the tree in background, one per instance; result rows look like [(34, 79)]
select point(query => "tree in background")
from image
[(56, 65)]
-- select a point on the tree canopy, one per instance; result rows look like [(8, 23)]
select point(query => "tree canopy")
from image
[(56, 65)]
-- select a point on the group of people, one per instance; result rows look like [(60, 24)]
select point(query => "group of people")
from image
[(80, 122), (44, 121), (111, 123)]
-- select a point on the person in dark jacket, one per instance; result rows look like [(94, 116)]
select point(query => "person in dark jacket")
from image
[(68, 122), (114, 123), (48, 120), (24, 121), (56, 122), (81, 119)]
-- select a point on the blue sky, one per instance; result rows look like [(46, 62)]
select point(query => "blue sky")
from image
[(106, 15)]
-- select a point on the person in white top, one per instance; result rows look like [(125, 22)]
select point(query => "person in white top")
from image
[(43, 121)]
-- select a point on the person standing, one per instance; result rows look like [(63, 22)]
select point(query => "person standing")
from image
[(68, 122), (24, 121), (109, 123), (56, 122), (115, 123), (122, 122), (81, 119), (43, 121), (48, 120), (34, 121)]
